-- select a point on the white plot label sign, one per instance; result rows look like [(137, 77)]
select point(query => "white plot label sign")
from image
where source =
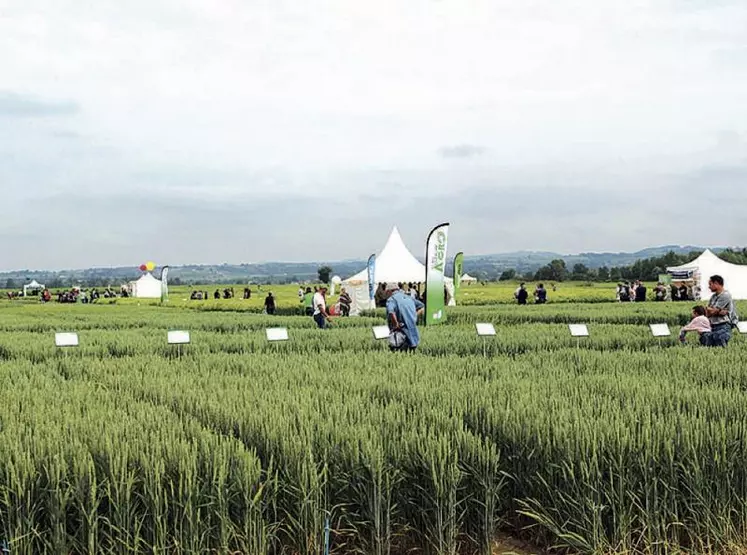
[(742, 327), (66, 339), (579, 330), (660, 330), (381, 332), (277, 334), (484, 330), (178, 337)]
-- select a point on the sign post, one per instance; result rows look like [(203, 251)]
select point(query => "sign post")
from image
[(660, 331), (485, 330), (381, 332), (66, 341), (578, 331), (276, 334), (178, 338)]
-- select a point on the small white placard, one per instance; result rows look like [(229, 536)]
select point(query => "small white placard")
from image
[(660, 330), (277, 334), (579, 330), (742, 327), (485, 329), (178, 337), (66, 339), (381, 332)]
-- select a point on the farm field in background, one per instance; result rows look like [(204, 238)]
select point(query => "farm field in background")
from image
[(613, 444), (470, 295)]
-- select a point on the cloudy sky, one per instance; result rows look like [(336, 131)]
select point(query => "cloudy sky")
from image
[(243, 131)]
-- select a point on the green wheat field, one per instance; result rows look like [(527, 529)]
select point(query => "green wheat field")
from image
[(616, 443)]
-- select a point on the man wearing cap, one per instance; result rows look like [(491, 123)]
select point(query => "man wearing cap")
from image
[(402, 316)]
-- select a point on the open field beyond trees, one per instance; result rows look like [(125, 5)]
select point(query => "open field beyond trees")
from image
[(616, 443)]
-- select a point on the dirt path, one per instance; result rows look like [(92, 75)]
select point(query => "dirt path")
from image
[(506, 545)]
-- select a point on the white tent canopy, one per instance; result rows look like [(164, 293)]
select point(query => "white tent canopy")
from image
[(395, 263), (147, 287), (33, 286), (468, 279), (707, 265)]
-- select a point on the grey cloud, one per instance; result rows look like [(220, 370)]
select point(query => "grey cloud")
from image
[(461, 151), (523, 214), (22, 105)]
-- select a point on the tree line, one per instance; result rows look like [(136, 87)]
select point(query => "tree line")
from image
[(647, 269)]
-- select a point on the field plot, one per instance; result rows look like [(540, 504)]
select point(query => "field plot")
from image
[(613, 444)]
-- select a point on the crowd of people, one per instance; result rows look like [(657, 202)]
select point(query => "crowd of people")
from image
[(636, 291), (73, 295), (403, 308)]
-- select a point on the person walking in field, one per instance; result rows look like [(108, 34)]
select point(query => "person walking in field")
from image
[(721, 312), (700, 324), (402, 313), (321, 316), (270, 304)]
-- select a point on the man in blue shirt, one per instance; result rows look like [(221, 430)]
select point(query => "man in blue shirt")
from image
[(402, 316)]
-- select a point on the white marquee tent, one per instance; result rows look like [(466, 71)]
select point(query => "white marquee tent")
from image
[(706, 265), (466, 278), (147, 287), (394, 264), (33, 286)]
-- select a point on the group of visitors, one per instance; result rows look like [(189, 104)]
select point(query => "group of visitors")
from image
[(74, 295), (218, 294), (522, 295), (77, 295), (635, 291), (713, 323), (682, 292), (413, 290), (309, 305)]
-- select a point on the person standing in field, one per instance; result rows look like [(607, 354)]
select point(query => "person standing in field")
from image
[(700, 323), (540, 294), (721, 313), (308, 302), (345, 302), (321, 316), (640, 292), (380, 295), (624, 293), (270, 304), (660, 292), (521, 294), (402, 313)]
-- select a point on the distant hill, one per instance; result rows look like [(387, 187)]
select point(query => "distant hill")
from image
[(487, 266)]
